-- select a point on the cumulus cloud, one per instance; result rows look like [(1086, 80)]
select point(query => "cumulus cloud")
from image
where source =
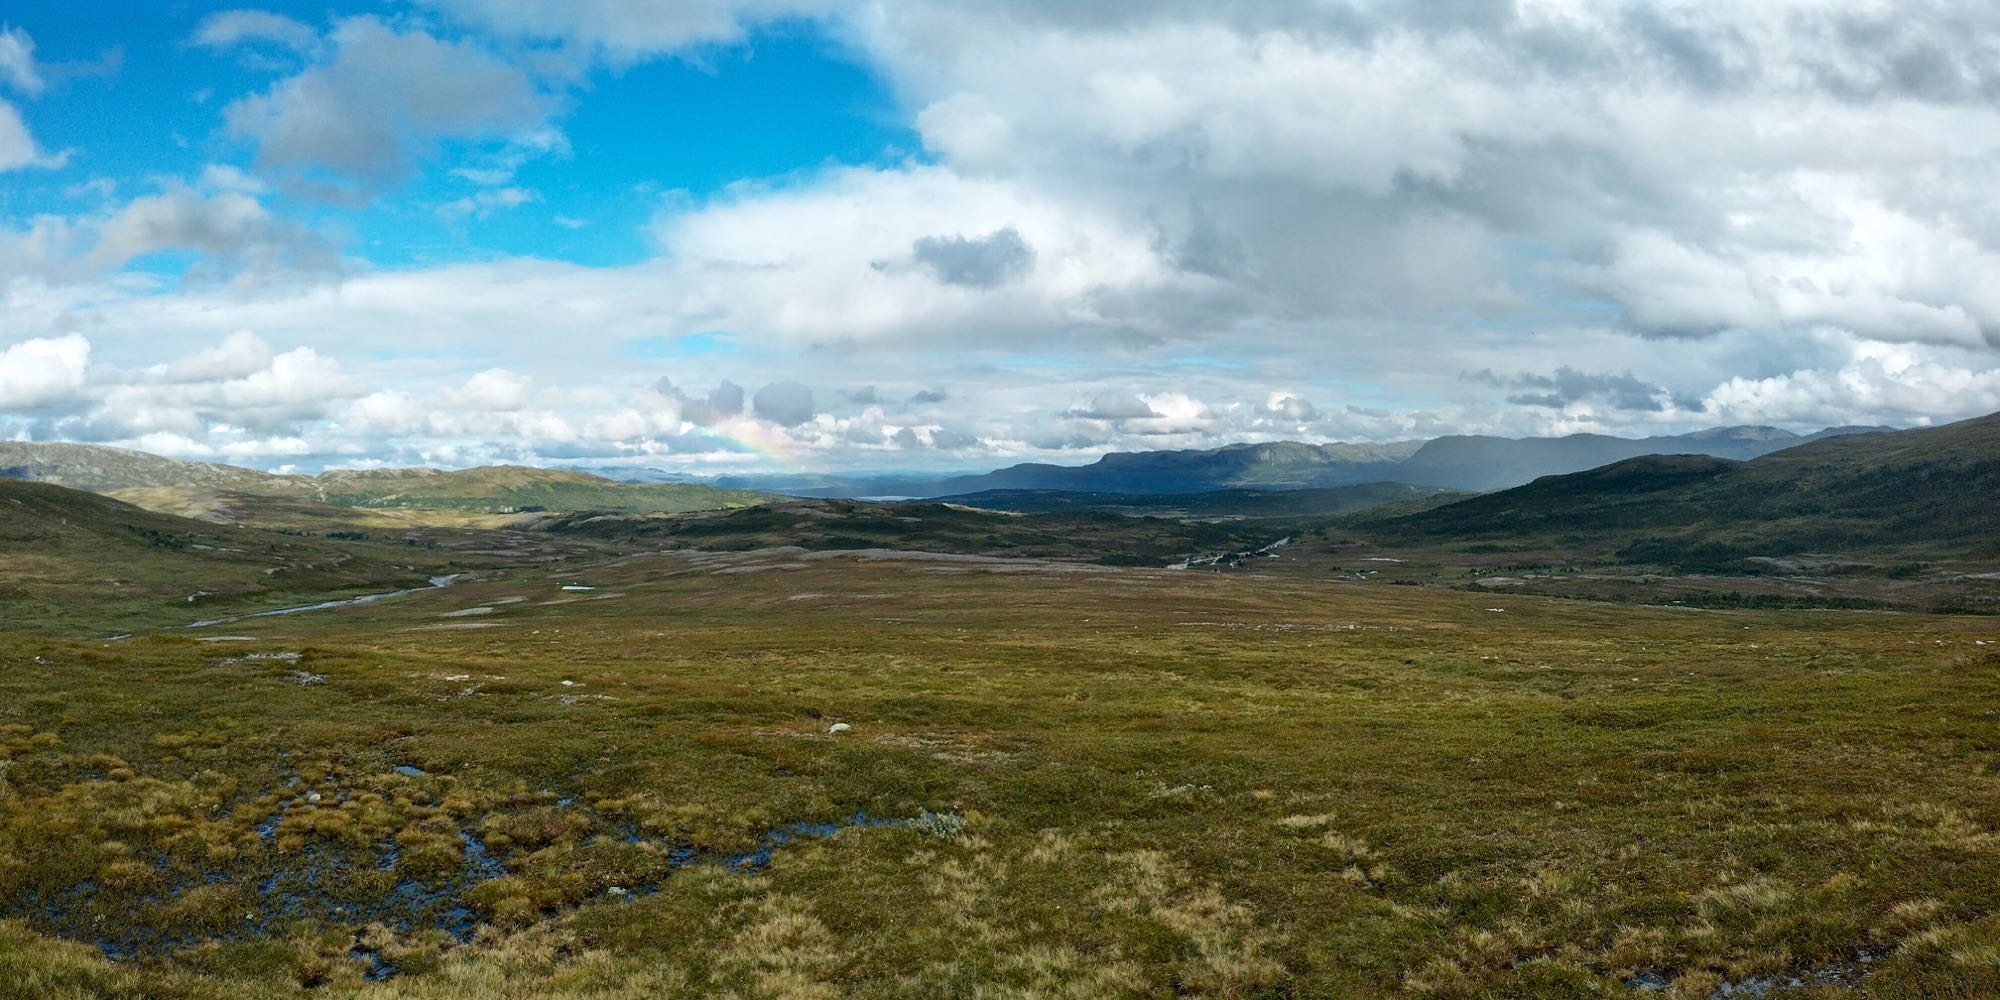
[(381, 99), (1134, 225), (41, 372), (233, 229), (1389, 159), (1291, 408), (495, 389), (786, 404), (802, 265), (386, 412), (240, 355), (229, 232), (236, 391), (1886, 384)]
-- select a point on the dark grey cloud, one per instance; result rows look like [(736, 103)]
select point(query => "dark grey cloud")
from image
[(1114, 406), (725, 401), (787, 404), (947, 439), (1700, 56), (978, 262), (929, 396), (1568, 385)]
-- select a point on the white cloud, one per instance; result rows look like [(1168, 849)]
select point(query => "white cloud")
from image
[(232, 232), (481, 204), (41, 372), (495, 389), (229, 28), (17, 145), (386, 412), (1885, 384), (1136, 225), (239, 356), (17, 62)]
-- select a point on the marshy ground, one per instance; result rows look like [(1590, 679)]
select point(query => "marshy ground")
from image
[(1056, 780)]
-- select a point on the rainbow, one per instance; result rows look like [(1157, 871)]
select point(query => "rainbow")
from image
[(768, 443)]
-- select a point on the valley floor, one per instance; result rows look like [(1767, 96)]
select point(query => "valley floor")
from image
[(630, 778)]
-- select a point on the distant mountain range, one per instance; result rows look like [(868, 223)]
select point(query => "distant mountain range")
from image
[(1235, 503), (1474, 463), (1930, 493), (1462, 463)]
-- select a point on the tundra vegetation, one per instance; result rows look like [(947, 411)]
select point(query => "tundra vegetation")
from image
[(771, 753)]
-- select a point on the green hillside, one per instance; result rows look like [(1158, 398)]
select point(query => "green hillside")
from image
[(1928, 493), (1114, 539), (228, 494), (507, 489), (78, 562), (102, 469)]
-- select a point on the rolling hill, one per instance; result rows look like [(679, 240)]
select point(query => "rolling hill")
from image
[(1928, 493), (102, 469), (77, 561), (508, 489), (229, 494), (1111, 539)]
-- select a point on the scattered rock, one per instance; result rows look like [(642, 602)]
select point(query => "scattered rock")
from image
[(1643, 980), (306, 678), (409, 772), (943, 826)]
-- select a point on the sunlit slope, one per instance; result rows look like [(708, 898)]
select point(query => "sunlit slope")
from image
[(503, 489), (224, 492), (71, 560)]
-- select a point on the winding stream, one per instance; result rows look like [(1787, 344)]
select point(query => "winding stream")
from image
[(435, 583)]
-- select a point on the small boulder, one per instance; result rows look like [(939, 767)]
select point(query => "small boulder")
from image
[(838, 727)]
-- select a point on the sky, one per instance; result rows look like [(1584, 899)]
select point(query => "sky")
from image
[(718, 236)]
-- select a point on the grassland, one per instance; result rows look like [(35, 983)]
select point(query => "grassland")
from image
[(1246, 784)]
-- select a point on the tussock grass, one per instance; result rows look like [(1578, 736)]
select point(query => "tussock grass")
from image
[(1369, 791)]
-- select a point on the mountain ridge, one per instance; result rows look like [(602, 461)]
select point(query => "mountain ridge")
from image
[(1925, 492)]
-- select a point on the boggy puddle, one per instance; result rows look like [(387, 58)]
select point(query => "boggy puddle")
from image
[(325, 884)]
